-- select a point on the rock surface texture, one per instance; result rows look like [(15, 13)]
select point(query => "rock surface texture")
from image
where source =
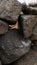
[(34, 33), (3, 27), (28, 23), (12, 48), (10, 10), (16, 38)]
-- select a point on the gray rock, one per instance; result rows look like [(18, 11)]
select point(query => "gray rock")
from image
[(27, 24), (3, 27), (13, 46), (10, 10)]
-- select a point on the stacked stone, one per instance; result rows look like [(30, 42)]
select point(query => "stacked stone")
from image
[(9, 12), (30, 25), (15, 43), (12, 43)]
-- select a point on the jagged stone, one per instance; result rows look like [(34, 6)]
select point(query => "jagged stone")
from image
[(3, 27), (10, 10), (29, 9), (13, 46), (27, 23)]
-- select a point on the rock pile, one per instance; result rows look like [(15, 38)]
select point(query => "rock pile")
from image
[(14, 43)]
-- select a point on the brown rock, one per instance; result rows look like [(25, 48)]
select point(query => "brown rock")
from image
[(34, 33), (27, 24)]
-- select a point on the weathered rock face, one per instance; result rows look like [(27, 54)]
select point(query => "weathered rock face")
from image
[(10, 10), (30, 9), (11, 47), (34, 33), (3, 27), (28, 22), (16, 43)]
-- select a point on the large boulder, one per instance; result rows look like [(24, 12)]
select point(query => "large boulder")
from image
[(27, 23), (10, 10), (13, 46)]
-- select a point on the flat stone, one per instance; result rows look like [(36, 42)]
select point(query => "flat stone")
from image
[(3, 27), (10, 10), (13, 46), (27, 24)]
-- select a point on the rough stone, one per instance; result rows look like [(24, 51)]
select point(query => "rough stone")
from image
[(12, 48), (28, 59), (10, 10), (27, 24), (3, 27), (34, 33)]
